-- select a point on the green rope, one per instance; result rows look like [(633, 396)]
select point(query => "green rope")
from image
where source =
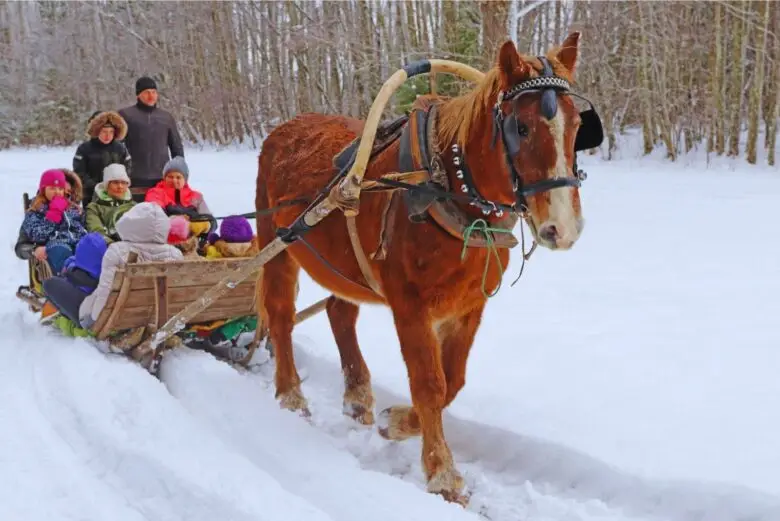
[(481, 225)]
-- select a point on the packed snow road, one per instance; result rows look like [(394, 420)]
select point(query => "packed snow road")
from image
[(632, 378)]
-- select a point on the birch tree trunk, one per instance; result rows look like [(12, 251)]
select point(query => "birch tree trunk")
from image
[(231, 71)]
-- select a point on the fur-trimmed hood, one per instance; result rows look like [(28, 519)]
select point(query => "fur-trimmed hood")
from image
[(107, 118), (77, 191)]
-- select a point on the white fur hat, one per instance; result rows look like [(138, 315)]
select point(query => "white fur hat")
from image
[(115, 172)]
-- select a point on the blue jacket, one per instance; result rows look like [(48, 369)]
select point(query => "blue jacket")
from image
[(42, 231), (89, 260)]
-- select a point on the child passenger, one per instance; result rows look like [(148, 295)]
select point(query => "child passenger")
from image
[(53, 222), (176, 197), (111, 200), (105, 131), (79, 277), (143, 229)]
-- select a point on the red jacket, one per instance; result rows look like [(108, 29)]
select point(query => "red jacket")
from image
[(186, 198)]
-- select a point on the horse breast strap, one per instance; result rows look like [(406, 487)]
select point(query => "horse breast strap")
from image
[(419, 151)]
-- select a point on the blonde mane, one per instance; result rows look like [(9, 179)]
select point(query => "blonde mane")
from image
[(458, 115)]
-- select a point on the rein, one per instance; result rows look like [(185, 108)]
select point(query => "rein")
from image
[(428, 196), (267, 211)]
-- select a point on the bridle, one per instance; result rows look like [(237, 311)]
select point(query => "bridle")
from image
[(589, 135)]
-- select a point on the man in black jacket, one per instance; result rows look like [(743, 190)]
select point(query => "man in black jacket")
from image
[(151, 134)]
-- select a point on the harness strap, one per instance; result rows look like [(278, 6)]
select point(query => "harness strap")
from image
[(360, 256), (414, 159), (424, 154), (386, 231)]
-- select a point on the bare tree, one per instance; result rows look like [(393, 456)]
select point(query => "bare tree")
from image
[(683, 73)]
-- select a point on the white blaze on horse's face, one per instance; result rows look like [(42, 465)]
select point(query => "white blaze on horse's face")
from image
[(564, 223)]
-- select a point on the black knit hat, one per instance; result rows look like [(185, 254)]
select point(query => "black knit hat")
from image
[(143, 83)]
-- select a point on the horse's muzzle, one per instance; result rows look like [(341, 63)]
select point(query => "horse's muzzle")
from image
[(554, 236)]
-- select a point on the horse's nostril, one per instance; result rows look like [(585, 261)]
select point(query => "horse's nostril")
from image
[(549, 233)]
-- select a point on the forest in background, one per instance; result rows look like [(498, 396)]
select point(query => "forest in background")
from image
[(695, 73)]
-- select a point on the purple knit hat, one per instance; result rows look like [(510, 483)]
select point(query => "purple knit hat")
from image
[(236, 228)]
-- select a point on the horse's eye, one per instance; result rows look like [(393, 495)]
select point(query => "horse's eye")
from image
[(522, 130)]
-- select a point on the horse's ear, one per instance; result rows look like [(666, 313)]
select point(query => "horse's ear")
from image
[(511, 66), (569, 51)]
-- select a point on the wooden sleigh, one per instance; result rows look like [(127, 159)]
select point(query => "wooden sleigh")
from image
[(144, 296)]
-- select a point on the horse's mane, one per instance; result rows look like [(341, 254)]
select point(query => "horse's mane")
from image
[(458, 115)]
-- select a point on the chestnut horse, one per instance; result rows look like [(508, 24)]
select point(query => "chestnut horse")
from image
[(519, 150)]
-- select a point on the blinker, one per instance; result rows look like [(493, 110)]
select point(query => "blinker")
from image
[(591, 132), (549, 96)]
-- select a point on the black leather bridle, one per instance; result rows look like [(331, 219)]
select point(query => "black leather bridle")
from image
[(589, 135)]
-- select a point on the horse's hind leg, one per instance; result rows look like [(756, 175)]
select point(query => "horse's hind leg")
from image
[(277, 297), (358, 396)]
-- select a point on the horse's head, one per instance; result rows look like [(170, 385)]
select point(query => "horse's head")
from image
[(537, 122), (517, 134)]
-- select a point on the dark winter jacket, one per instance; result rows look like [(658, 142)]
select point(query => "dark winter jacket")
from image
[(42, 231), (24, 246), (151, 134), (92, 156)]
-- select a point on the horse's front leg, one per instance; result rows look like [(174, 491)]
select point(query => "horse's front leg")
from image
[(456, 336), (422, 355)]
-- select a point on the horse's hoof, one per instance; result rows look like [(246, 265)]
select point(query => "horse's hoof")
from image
[(359, 413), (395, 423), (455, 497), (359, 404), (449, 484), (294, 400)]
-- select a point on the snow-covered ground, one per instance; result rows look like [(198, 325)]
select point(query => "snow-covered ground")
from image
[(634, 377)]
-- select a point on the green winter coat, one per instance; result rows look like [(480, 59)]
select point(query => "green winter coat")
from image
[(104, 211)]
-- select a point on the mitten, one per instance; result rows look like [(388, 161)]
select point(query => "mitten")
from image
[(57, 208), (179, 231), (175, 209), (198, 228), (69, 263), (212, 252)]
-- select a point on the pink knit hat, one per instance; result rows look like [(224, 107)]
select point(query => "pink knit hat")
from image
[(53, 177), (180, 230)]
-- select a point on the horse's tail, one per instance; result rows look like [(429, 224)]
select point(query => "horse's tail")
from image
[(264, 219)]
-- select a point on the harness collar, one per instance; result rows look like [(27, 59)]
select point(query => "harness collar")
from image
[(419, 150)]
